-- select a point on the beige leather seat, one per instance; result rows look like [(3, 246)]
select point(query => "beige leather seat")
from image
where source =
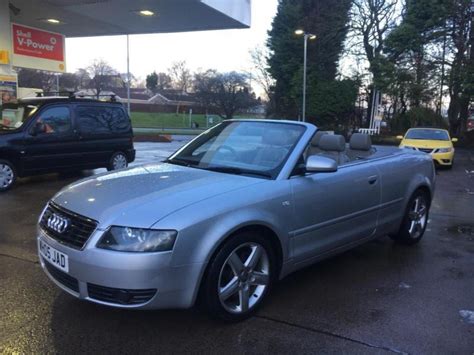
[(334, 147), (314, 145), (274, 149), (360, 146)]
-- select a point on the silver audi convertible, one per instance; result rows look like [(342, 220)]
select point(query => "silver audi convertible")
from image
[(221, 220)]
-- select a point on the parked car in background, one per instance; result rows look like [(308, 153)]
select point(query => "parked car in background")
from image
[(434, 141), (55, 134), (238, 208)]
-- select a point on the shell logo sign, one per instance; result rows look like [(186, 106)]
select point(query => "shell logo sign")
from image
[(38, 49)]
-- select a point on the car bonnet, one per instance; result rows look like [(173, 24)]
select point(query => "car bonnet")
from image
[(141, 196)]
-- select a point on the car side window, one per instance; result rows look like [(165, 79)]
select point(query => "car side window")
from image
[(54, 120), (119, 121), (99, 120)]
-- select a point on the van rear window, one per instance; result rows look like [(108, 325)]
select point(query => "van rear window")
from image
[(98, 120)]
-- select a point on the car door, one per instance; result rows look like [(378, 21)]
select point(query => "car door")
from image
[(334, 209), (50, 142), (95, 131)]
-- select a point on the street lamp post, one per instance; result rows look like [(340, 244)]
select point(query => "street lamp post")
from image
[(306, 36)]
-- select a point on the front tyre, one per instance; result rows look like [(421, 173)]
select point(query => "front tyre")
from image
[(239, 277), (7, 175), (415, 220), (118, 161)]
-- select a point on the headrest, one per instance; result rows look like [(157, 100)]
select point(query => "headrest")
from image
[(360, 141), (317, 138), (275, 137), (333, 142)]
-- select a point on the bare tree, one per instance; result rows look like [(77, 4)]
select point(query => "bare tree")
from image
[(260, 72), (371, 21), (123, 78), (227, 93), (180, 75), (83, 79), (102, 75), (164, 81)]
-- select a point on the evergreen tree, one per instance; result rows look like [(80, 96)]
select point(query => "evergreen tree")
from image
[(411, 62), (152, 81), (328, 21)]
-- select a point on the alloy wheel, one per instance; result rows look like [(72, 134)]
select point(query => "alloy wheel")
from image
[(417, 217), (244, 278)]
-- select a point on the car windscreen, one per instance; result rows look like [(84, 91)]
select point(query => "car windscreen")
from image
[(428, 134), (13, 116), (242, 147)]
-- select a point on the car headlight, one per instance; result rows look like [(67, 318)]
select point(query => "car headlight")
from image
[(445, 150), (137, 240)]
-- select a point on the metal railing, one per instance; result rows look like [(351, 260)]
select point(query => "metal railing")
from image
[(370, 131)]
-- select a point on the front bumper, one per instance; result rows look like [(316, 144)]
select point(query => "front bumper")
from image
[(124, 280), (444, 159)]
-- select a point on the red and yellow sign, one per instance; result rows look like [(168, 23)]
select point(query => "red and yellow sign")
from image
[(38, 49)]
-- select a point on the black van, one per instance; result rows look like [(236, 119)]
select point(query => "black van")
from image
[(55, 134)]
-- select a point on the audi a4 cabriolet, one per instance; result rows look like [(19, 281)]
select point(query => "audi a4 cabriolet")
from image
[(238, 208)]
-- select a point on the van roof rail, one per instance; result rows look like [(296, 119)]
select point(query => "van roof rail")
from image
[(69, 94)]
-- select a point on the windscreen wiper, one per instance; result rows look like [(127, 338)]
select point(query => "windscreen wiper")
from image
[(182, 162), (237, 171)]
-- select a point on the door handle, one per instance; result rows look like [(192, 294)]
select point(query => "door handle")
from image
[(372, 179)]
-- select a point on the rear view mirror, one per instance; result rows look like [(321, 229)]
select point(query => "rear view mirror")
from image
[(454, 140), (400, 137), (320, 164)]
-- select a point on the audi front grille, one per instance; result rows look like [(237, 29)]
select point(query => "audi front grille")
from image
[(78, 231)]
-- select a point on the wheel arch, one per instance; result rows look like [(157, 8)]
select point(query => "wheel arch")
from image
[(251, 226), (13, 158), (425, 188), (420, 182)]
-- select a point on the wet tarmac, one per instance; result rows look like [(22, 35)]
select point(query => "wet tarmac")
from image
[(377, 298)]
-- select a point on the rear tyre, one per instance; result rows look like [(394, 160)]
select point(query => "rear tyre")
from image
[(7, 175), (415, 220), (239, 277), (117, 161)]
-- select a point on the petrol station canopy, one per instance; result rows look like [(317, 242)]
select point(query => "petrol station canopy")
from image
[(83, 18), (32, 31)]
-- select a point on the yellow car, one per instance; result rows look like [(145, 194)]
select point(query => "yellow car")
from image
[(434, 141)]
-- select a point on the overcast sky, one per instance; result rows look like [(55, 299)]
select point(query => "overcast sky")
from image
[(224, 50)]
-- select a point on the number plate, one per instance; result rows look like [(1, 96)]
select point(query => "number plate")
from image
[(53, 256)]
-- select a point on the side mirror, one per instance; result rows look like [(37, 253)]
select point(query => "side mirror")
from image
[(320, 164), (454, 140), (400, 137)]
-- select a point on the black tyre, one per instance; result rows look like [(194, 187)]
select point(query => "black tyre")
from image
[(7, 175), (239, 277), (118, 161), (415, 220)]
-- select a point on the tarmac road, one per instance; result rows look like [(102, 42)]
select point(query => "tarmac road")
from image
[(377, 298)]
